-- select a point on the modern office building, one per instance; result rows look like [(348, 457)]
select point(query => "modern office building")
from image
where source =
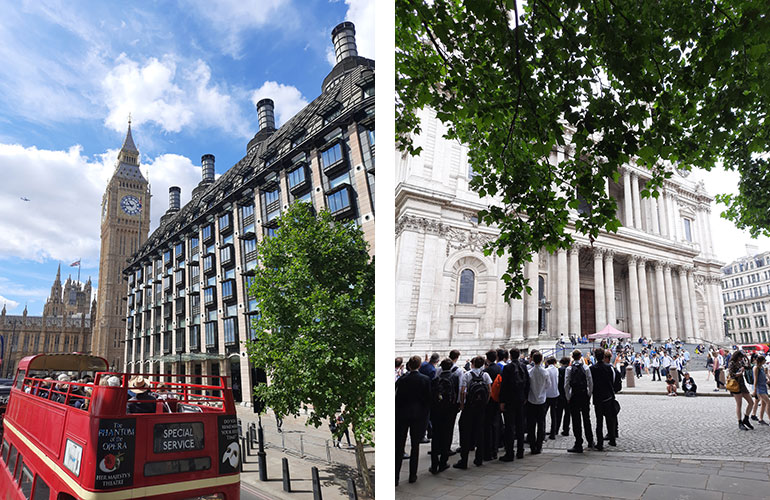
[(656, 277), (746, 292), (188, 310)]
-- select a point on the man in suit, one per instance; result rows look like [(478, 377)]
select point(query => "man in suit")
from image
[(513, 394), (578, 387), (412, 406), (603, 376)]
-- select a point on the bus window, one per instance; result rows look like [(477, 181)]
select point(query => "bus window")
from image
[(20, 378), (17, 477), (12, 460), (26, 482), (42, 491), (5, 451)]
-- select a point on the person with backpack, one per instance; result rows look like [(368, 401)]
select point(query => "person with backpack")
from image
[(514, 389), (492, 414), (604, 399), (474, 395), (445, 390), (539, 384), (578, 388), (412, 407)]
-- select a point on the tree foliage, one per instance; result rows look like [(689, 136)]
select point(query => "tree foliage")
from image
[(666, 84), (315, 334)]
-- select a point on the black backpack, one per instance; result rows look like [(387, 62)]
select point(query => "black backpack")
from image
[(444, 393), (617, 382), (577, 380), (478, 391)]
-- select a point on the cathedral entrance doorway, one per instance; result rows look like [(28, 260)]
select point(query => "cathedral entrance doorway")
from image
[(587, 313)]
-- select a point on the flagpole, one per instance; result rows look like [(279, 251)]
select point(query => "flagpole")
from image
[(79, 259)]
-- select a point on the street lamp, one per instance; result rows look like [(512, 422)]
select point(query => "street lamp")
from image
[(11, 341), (727, 330)]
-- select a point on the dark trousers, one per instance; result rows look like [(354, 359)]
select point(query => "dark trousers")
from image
[(562, 412), (638, 369), (492, 429), (605, 410), (550, 404), (472, 432), (655, 371), (416, 429), (717, 375), (536, 425), (581, 419), (514, 428), (443, 430)]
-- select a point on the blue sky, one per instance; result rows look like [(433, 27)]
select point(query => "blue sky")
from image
[(189, 72)]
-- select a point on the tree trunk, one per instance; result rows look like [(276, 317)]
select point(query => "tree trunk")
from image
[(363, 468)]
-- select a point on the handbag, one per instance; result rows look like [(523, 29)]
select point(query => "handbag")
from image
[(732, 384)]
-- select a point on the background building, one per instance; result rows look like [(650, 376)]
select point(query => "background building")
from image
[(746, 291), (188, 307), (656, 277), (125, 225), (65, 325)]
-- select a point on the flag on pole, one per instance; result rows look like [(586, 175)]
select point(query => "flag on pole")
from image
[(76, 263)]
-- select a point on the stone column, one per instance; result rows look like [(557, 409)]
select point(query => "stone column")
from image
[(693, 300), (660, 301), (562, 315), (678, 230), (670, 301), (664, 231), (574, 290), (530, 301), (654, 216), (600, 312), (700, 229), (629, 219), (709, 239), (687, 312), (609, 284), (633, 300), (635, 196), (641, 274)]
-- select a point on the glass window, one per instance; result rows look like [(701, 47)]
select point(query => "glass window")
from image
[(227, 290), (211, 334), (17, 476), (271, 196), (42, 491), (227, 239), (369, 91), (230, 273), (273, 214), (206, 233), (194, 242), (467, 279), (307, 197), (12, 459), (340, 179), (271, 231), (331, 156), (249, 245), (687, 230), (247, 211), (338, 201), (296, 176), (232, 310), (5, 451), (212, 315), (230, 331), (226, 253), (224, 222), (208, 295), (26, 481)]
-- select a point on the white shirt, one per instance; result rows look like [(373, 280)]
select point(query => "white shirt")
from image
[(666, 361), (589, 380), (465, 380), (539, 382), (553, 389)]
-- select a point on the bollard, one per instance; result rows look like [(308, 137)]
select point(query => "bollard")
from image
[(352, 493), (316, 484), (286, 478), (253, 434), (243, 458), (301, 446), (283, 441), (630, 376), (261, 458), (240, 428), (244, 449), (328, 453)]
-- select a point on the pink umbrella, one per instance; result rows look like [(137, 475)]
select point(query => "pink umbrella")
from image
[(609, 332)]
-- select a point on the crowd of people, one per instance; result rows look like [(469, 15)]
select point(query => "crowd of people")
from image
[(503, 400)]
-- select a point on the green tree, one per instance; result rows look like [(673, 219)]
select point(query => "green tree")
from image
[(315, 333), (668, 84)]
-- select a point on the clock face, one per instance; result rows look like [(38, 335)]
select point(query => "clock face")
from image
[(131, 205)]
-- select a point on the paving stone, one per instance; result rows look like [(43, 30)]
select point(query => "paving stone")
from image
[(658, 492), (549, 482), (564, 468), (683, 479), (559, 495), (737, 486), (516, 493), (612, 472), (610, 488), (744, 475)]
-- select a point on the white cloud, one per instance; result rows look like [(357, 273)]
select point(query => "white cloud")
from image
[(62, 219), (362, 14), (157, 91), (288, 100), (230, 18), (9, 304)]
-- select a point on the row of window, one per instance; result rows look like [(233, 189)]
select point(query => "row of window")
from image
[(31, 485), (757, 291)]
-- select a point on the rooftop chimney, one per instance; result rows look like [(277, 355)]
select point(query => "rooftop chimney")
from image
[(266, 113), (207, 166), (173, 198), (344, 39)]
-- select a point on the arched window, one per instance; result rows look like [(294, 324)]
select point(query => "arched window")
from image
[(467, 280)]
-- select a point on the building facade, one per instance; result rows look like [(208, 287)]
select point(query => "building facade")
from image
[(188, 307), (656, 277), (125, 225), (746, 292), (65, 325)]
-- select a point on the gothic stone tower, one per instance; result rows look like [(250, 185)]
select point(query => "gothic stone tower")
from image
[(125, 226)]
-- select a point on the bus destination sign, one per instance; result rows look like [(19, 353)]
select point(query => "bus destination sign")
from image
[(178, 437)]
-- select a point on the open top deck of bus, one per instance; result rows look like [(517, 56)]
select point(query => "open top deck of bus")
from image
[(94, 437)]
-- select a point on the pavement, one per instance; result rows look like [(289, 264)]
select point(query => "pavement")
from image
[(667, 448), (304, 447)]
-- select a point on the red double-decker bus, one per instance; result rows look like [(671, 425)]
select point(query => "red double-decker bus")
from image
[(65, 439)]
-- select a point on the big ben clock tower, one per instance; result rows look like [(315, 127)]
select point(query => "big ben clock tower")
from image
[(125, 226)]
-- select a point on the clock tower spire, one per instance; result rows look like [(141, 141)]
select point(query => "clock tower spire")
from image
[(125, 226)]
